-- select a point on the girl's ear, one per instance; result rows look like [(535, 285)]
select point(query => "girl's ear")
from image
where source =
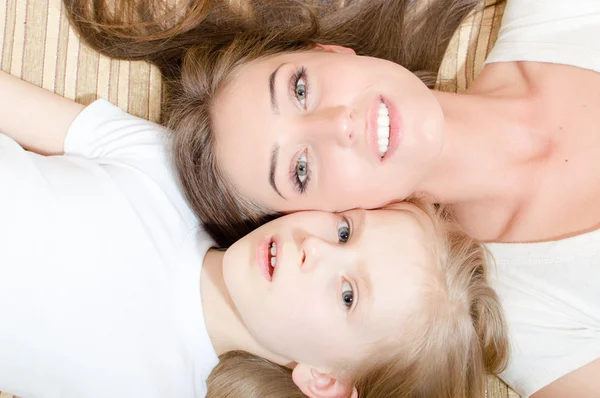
[(315, 384), (336, 49)]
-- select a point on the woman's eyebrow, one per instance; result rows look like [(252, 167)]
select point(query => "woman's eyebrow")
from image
[(275, 149), (273, 168), (272, 77)]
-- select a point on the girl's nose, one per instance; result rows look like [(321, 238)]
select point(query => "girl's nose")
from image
[(317, 251)]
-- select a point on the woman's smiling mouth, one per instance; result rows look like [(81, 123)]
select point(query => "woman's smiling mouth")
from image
[(385, 126), (383, 129)]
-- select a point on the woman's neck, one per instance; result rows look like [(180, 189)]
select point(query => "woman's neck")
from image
[(480, 146), (226, 329), (490, 156)]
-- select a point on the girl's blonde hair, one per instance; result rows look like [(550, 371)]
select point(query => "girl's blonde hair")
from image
[(453, 342), (243, 375), (198, 44)]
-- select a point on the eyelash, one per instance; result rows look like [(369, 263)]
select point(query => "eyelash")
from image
[(296, 77), (348, 223), (300, 185), (354, 295)]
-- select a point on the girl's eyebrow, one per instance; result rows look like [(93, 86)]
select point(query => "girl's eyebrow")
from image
[(364, 276), (365, 299), (363, 279)]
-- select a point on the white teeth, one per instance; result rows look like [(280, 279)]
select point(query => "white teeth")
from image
[(383, 121), (383, 110), (383, 129), (273, 252)]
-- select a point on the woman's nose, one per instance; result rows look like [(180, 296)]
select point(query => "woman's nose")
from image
[(334, 123)]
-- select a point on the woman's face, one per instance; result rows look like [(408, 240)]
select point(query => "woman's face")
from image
[(301, 131), (340, 282)]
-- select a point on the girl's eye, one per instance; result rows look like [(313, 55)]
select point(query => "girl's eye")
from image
[(300, 91), (343, 231), (347, 294)]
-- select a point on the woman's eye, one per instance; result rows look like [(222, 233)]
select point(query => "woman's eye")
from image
[(300, 91), (347, 294), (302, 168), (343, 231), (299, 87)]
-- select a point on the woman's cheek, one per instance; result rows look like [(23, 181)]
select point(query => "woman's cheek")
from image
[(347, 176)]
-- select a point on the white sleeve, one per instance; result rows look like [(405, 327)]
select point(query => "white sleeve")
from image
[(102, 130), (136, 154), (544, 350), (550, 293), (554, 31)]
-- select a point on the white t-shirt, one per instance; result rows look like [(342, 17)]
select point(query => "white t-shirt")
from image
[(554, 31), (550, 291), (100, 261)]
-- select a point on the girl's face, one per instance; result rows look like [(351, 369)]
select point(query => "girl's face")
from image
[(302, 131), (340, 283)]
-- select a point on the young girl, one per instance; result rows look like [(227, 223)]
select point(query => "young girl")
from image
[(276, 111), (109, 287)]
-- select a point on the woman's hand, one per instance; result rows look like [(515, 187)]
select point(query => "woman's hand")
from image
[(35, 118)]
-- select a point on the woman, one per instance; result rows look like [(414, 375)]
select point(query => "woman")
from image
[(110, 287), (276, 115)]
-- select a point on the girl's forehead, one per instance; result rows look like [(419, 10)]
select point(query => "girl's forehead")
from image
[(397, 221)]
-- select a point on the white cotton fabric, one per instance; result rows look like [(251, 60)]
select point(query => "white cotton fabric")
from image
[(550, 293), (553, 31), (100, 261)]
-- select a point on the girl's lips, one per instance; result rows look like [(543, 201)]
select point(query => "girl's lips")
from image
[(263, 258)]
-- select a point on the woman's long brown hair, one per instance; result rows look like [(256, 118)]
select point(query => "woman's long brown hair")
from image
[(197, 44)]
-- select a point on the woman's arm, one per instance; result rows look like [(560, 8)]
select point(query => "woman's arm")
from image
[(36, 118), (582, 383)]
